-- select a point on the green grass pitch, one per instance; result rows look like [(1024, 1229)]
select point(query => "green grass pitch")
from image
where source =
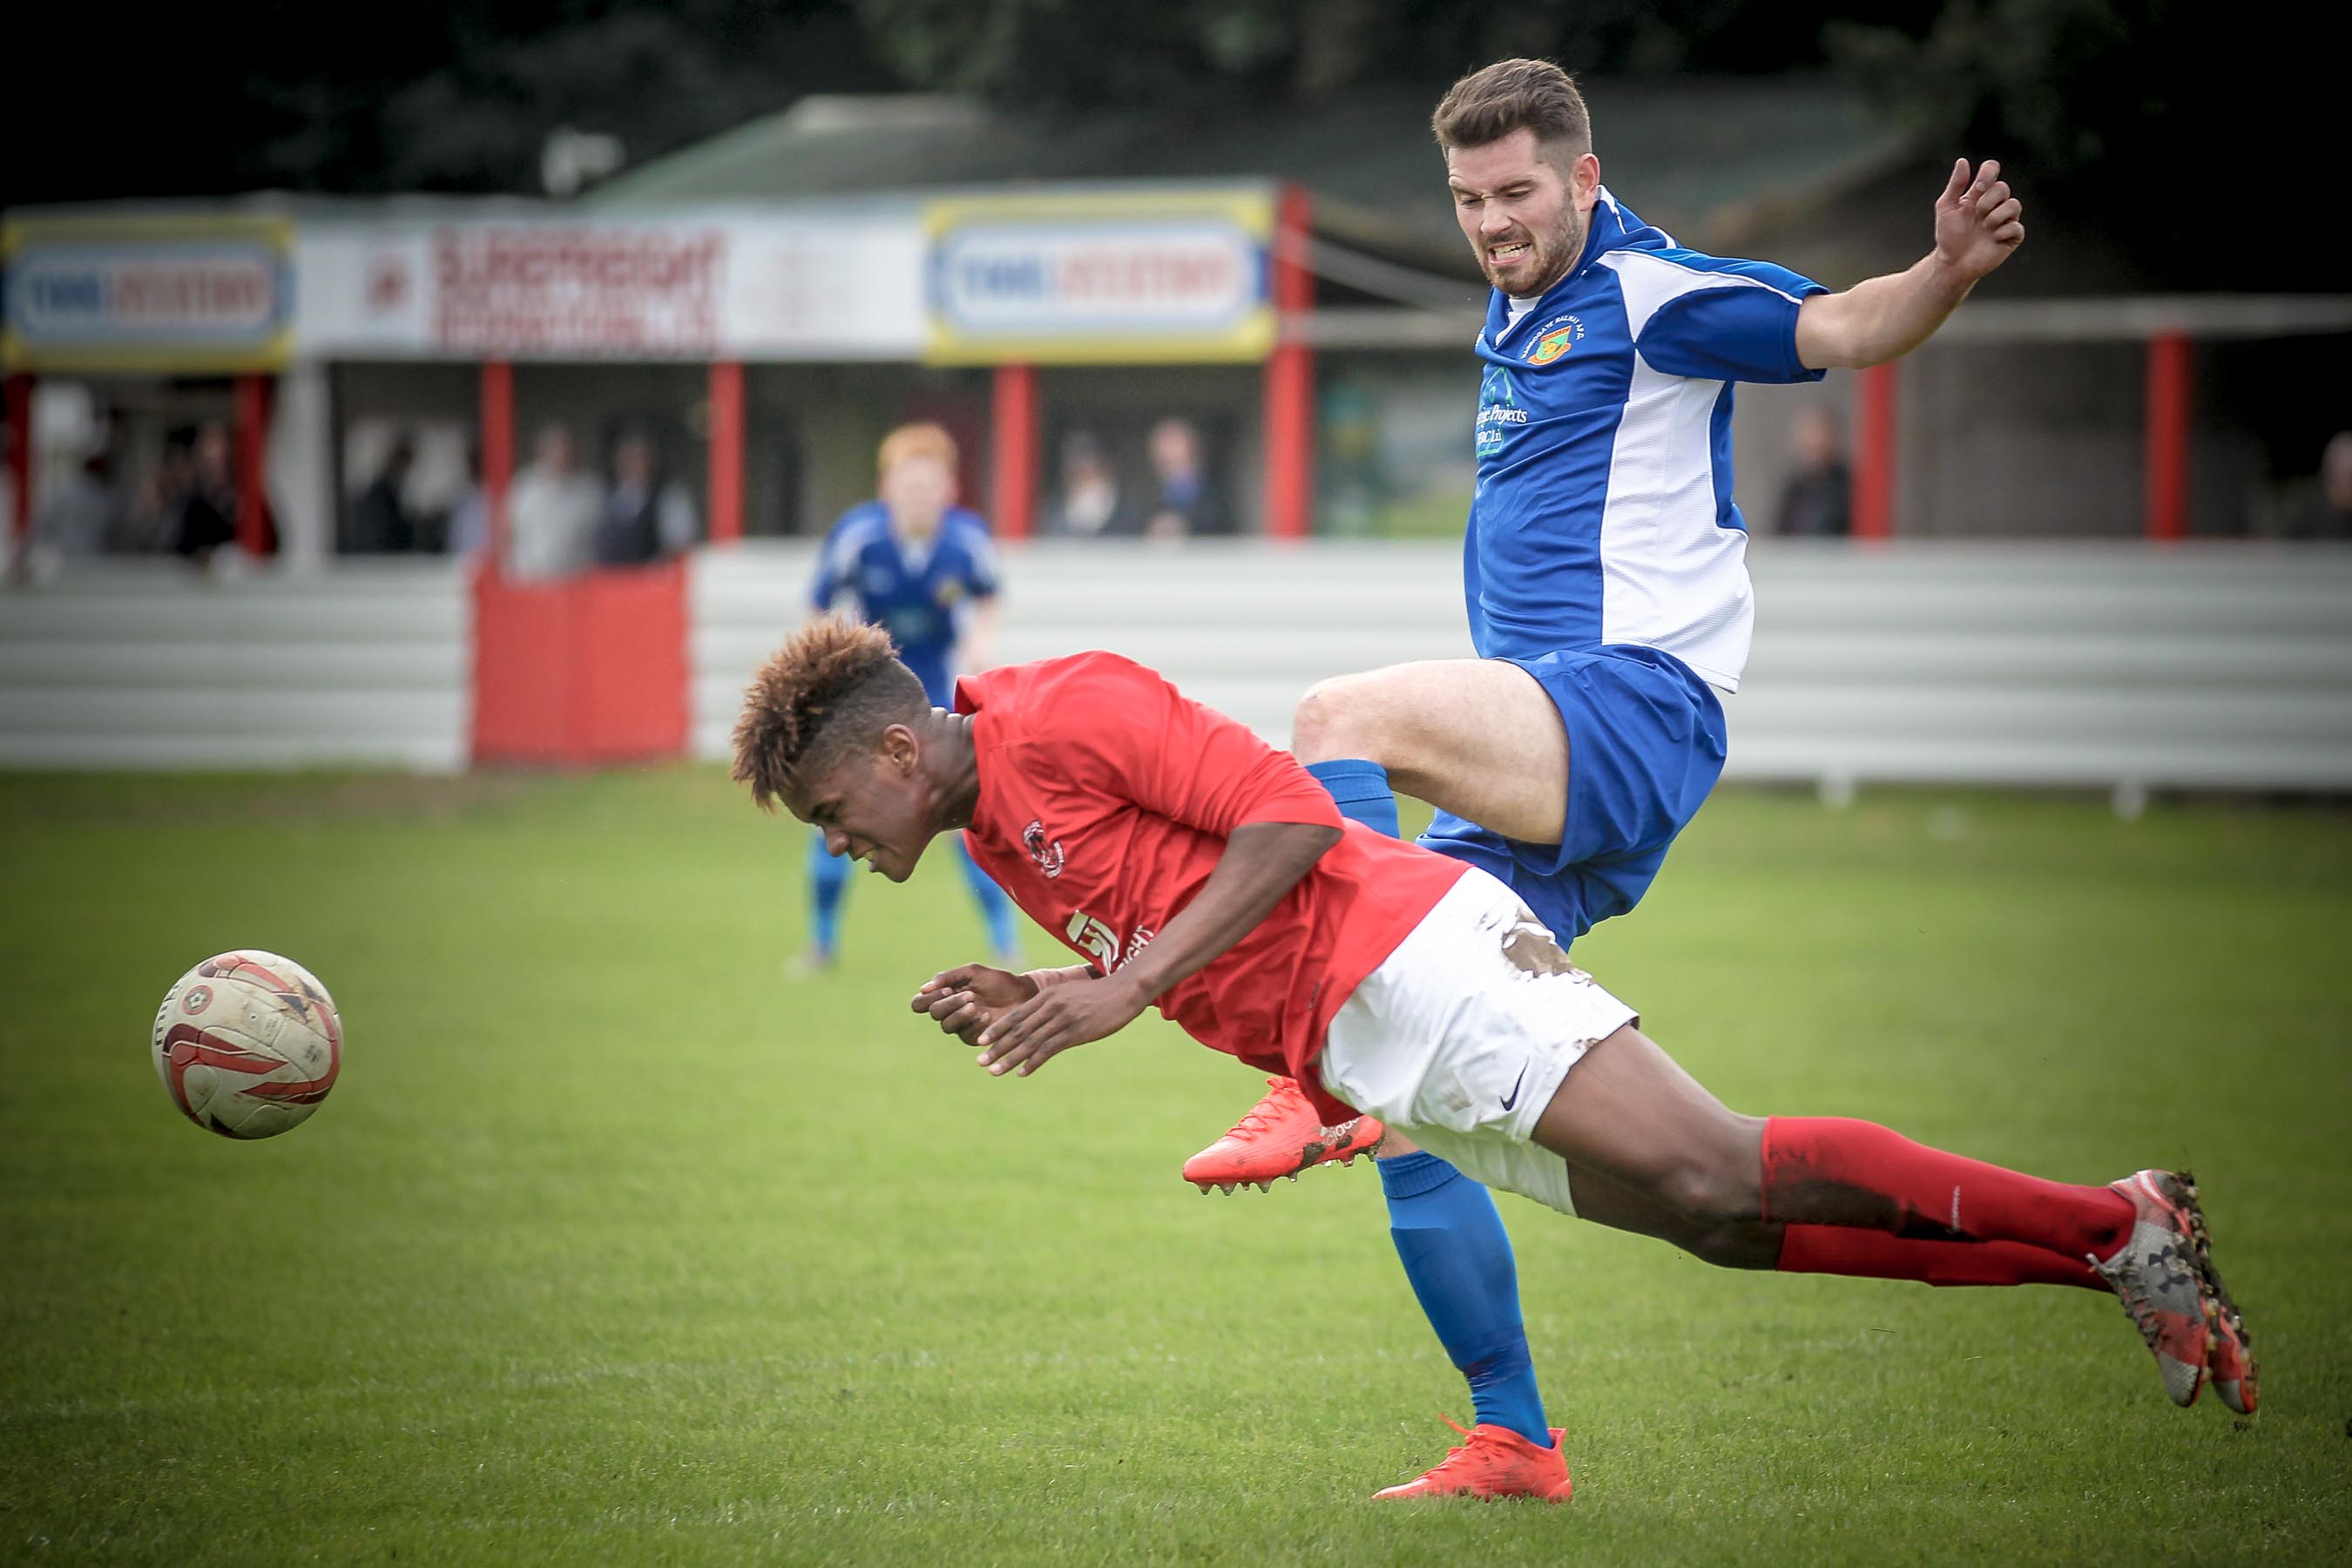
[(616, 1245)]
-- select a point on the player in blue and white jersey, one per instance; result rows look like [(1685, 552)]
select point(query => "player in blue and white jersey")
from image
[(924, 570), (1606, 579)]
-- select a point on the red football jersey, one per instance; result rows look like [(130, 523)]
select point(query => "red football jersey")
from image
[(1105, 799)]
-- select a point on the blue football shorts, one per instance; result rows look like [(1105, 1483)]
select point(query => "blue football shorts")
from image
[(1646, 744)]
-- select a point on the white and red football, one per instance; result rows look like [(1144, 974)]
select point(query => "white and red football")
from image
[(248, 1044)]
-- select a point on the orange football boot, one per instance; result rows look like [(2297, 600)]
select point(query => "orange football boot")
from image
[(1281, 1135), (1495, 1462)]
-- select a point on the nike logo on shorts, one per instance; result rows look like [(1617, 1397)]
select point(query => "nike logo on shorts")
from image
[(1512, 1097)]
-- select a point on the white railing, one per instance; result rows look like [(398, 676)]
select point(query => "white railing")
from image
[(2110, 666), (2116, 666), (145, 665)]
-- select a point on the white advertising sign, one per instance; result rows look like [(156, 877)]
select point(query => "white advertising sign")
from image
[(1128, 277), (722, 287)]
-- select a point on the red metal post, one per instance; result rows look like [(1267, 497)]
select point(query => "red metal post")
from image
[(252, 462), (1874, 452), (2168, 435), (19, 457), (497, 454), (726, 452), (1290, 379), (1013, 458)]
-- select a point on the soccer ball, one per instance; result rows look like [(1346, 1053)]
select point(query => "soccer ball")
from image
[(248, 1044)]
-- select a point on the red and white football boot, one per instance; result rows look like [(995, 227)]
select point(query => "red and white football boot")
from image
[(2229, 1365), (2155, 1272), (1495, 1462), (1281, 1135)]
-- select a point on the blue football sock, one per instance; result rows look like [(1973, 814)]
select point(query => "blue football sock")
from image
[(1448, 1236), (1361, 788), (994, 907), (1458, 1256), (828, 881)]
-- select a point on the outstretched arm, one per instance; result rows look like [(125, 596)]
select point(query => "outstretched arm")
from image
[(1977, 225), (1262, 861)]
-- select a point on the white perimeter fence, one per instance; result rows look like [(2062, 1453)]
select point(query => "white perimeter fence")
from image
[(145, 665), (2115, 665)]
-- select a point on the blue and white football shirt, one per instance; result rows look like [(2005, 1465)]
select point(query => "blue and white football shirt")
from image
[(1603, 509), (911, 588)]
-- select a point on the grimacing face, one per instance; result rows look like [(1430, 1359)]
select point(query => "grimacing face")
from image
[(1525, 220), (871, 805)]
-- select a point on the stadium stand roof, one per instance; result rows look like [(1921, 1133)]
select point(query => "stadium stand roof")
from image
[(1701, 158)]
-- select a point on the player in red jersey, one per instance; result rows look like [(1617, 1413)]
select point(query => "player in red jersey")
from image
[(1195, 868)]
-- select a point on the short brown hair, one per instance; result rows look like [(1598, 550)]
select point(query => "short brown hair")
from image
[(835, 683), (1516, 95), (920, 440)]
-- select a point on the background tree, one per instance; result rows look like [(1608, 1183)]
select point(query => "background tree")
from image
[(2188, 136), (2152, 122)]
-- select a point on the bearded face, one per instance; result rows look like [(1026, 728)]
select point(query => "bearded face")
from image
[(1525, 219)]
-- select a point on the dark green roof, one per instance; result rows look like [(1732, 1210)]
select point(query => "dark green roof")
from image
[(1692, 157)]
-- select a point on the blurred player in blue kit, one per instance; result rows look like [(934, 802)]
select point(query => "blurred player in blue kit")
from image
[(923, 569)]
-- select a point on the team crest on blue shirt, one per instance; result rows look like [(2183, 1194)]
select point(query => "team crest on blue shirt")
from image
[(1558, 337)]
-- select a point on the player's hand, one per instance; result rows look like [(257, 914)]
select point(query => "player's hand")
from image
[(1057, 1018), (1977, 222), (965, 1000)]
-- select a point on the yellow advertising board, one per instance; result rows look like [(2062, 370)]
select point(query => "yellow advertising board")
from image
[(1101, 277), (152, 294)]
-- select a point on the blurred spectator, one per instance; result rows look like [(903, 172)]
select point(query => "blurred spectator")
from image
[(552, 512), (1089, 503), (469, 514), (85, 516), (208, 507), (646, 516), (154, 521), (2330, 515), (1186, 504), (383, 523), (1818, 499)]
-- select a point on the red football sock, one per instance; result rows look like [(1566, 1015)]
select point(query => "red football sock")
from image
[(1831, 1170), (1875, 1254)]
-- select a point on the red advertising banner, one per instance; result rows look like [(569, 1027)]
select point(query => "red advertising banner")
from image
[(519, 291)]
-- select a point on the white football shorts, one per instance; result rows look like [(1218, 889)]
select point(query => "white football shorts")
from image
[(1460, 1037)]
